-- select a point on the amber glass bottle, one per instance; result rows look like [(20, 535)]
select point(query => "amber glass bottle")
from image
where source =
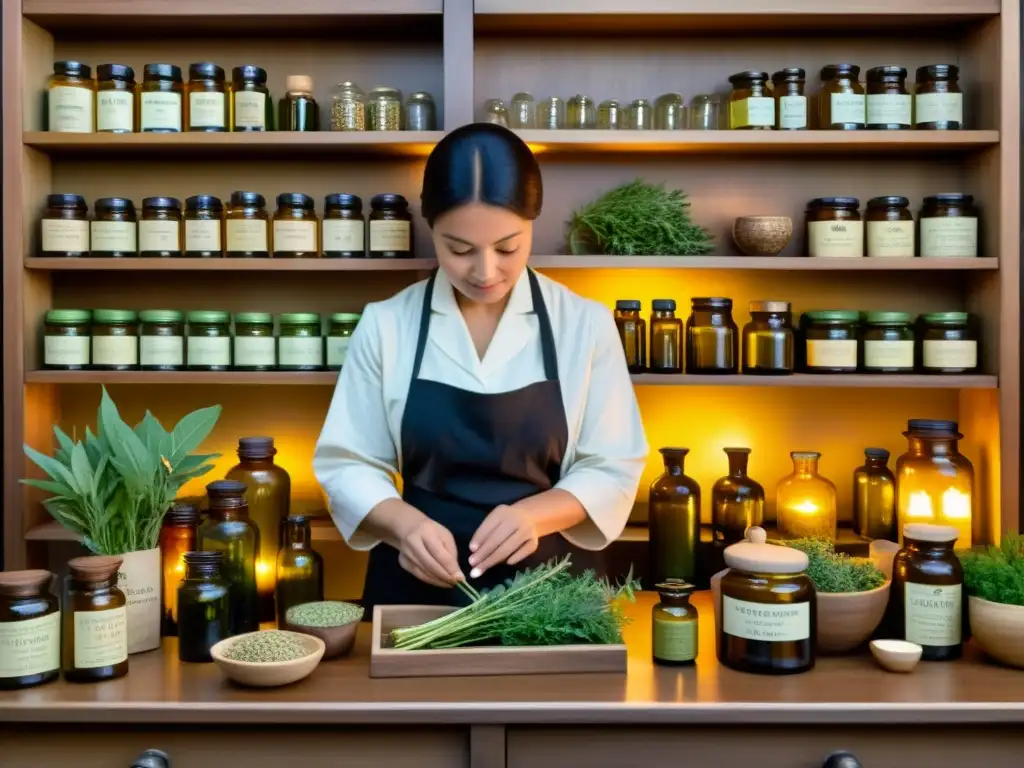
[(95, 636), (177, 536), (29, 630), (228, 530), (632, 333), (204, 607), (874, 497), (737, 502), (674, 520), (712, 339), (666, 337), (674, 625), (300, 569)]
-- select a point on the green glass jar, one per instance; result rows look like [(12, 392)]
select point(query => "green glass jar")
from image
[(254, 346), (209, 340), (831, 341), (888, 343), (29, 630), (115, 340), (66, 339), (948, 343), (300, 569), (339, 336), (204, 607), (161, 340), (674, 625), (300, 343)]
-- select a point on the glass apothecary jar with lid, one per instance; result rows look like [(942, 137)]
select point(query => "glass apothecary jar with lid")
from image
[(420, 112), (95, 621), (300, 342), (666, 348), (751, 105), (768, 339), (204, 607), (348, 107), (889, 105), (115, 98), (522, 113), (791, 113), (805, 501), (66, 339), (632, 333), (888, 343), (115, 340), (64, 228), (29, 630), (670, 113), (252, 109), (674, 625), (712, 338), (640, 115), (390, 227), (160, 99), (889, 228), (296, 231), (160, 228), (207, 98), (551, 114), (938, 100), (384, 109), (948, 226), (204, 220), (71, 98), (255, 348), (209, 340), (161, 340), (343, 230), (842, 103), (339, 337), (948, 343), (834, 228), (246, 232), (581, 112), (831, 338), (114, 232)]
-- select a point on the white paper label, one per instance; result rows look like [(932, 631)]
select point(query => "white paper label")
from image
[(890, 239), (835, 239), (295, 351), (337, 349), (66, 350), (109, 236), (249, 110), (252, 351), (939, 108), (295, 236), (344, 235), (942, 353), (206, 110), (161, 110), (847, 108), (889, 109), (247, 235), (30, 647), (949, 236), (771, 623), (889, 354), (754, 111), (792, 112), (159, 236), (832, 353), (65, 236), (115, 111), (202, 235), (209, 350), (71, 109), (115, 350), (933, 614), (161, 350), (101, 638), (390, 236)]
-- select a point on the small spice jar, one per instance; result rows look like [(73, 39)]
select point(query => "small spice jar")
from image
[(252, 109), (889, 228), (161, 340), (949, 226), (384, 109), (95, 621), (160, 227), (295, 227), (948, 343), (768, 339), (114, 232), (669, 113), (343, 231), (551, 114), (666, 337), (207, 99), (339, 336), (115, 340), (581, 111), (29, 630), (177, 536), (790, 101), (751, 105), (522, 112), (115, 98), (831, 341), (160, 99), (610, 116), (64, 228), (633, 333), (209, 340), (841, 101), (66, 339), (889, 105), (204, 606), (766, 594), (390, 227), (639, 116), (712, 338), (348, 108), (887, 344), (245, 227), (674, 625), (204, 218), (254, 346), (834, 228), (938, 100), (421, 112), (705, 112), (71, 98), (300, 343)]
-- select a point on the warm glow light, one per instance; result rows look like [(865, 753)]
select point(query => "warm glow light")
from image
[(919, 506), (806, 507), (956, 505), (266, 576)]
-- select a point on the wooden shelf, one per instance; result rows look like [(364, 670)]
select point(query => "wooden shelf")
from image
[(229, 265)]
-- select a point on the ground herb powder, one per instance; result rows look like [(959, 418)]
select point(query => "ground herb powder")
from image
[(268, 646), (328, 613)]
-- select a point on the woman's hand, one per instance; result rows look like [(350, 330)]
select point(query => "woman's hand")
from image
[(426, 549), (507, 535)]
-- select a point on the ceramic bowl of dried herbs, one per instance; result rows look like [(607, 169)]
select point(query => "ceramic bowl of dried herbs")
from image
[(332, 621), (268, 658)]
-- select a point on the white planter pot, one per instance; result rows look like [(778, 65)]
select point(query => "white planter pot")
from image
[(139, 579)]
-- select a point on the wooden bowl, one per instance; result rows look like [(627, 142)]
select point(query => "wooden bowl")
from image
[(272, 673), (847, 619), (338, 641), (896, 655), (762, 235), (998, 629)]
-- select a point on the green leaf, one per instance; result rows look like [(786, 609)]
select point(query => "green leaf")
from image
[(191, 431), (81, 469), (67, 445), (133, 462), (53, 468), (153, 435), (57, 489)]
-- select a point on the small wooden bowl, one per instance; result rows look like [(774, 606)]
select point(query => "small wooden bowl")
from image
[(338, 641), (762, 235), (268, 674), (896, 655)]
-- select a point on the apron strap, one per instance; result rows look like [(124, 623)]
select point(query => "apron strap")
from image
[(421, 342)]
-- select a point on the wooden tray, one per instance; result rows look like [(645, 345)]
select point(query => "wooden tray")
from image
[(461, 662)]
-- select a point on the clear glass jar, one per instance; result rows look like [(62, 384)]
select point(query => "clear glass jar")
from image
[(160, 228), (66, 337), (343, 227), (245, 227), (384, 109), (255, 348), (204, 600), (161, 340), (948, 343), (889, 105), (874, 497), (610, 116), (751, 105), (296, 231), (71, 98), (204, 220), (705, 112), (666, 337), (834, 228), (94, 635), (640, 115), (674, 625), (115, 340), (300, 343), (670, 113), (938, 100), (712, 338), (64, 228), (252, 109), (339, 337), (29, 630), (581, 113), (805, 501), (496, 113), (227, 529), (633, 333), (208, 109), (160, 99), (115, 98), (209, 340), (831, 341), (390, 227), (791, 113), (348, 108), (420, 112), (889, 227), (737, 501), (674, 520), (888, 343), (177, 536), (114, 232), (523, 112), (551, 114), (842, 104), (768, 339), (949, 226), (300, 569)]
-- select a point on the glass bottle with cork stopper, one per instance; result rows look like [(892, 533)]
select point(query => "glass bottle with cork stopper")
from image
[(207, 98), (300, 569), (245, 227), (95, 621), (178, 535), (666, 337), (343, 228), (674, 520), (64, 228), (160, 99), (227, 529), (29, 630), (874, 497), (298, 110), (296, 234), (71, 98), (115, 99), (737, 501), (204, 606), (251, 106), (633, 333), (674, 635)]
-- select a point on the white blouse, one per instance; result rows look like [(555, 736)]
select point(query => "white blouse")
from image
[(359, 451)]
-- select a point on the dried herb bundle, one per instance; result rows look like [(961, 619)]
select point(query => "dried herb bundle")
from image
[(834, 572), (996, 574)]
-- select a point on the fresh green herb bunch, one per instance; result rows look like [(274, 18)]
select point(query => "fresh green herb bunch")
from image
[(114, 487), (268, 646), (834, 572), (996, 574), (638, 219), (327, 613)]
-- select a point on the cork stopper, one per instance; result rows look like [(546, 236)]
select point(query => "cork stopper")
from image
[(299, 84), (24, 583), (94, 569)]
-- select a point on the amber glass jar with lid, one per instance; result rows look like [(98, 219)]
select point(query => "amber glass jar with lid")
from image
[(254, 346), (209, 340), (160, 227), (889, 227), (207, 98), (674, 625), (114, 232), (295, 227), (831, 338), (339, 337), (751, 105), (300, 343), (834, 228), (666, 337), (66, 339), (161, 340), (160, 99), (768, 339), (841, 101), (790, 102), (95, 621), (888, 343), (72, 98), (115, 340), (949, 226), (765, 592), (252, 109), (115, 98), (245, 227), (712, 338), (343, 228), (938, 100), (889, 105), (204, 218), (64, 229), (633, 333), (948, 343), (29, 630), (390, 227)]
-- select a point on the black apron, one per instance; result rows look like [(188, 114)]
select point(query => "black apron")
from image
[(465, 453)]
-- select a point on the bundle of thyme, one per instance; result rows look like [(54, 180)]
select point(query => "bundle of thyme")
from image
[(834, 572), (638, 219), (545, 605)]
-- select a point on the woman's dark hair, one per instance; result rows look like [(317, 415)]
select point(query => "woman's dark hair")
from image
[(481, 163)]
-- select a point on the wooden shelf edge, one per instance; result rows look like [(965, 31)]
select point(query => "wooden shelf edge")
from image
[(228, 265), (730, 7)]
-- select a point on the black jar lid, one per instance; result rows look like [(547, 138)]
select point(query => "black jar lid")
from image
[(61, 200), (664, 305), (162, 72), (73, 68), (832, 71), (248, 199), (295, 200), (115, 205), (949, 198), (220, 489), (876, 453), (182, 514), (713, 302), (789, 73), (628, 305), (196, 202), (880, 73), (114, 72), (203, 563), (935, 427), (885, 201), (256, 447), (162, 203), (937, 72), (343, 200), (742, 77), (205, 70), (388, 200), (249, 73), (834, 202)]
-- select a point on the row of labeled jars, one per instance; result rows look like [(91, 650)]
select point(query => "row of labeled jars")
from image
[(244, 229), (163, 103), (202, 340), (825, 341)]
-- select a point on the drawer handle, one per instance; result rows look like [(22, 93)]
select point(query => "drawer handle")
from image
[(152, 758), (841, 759)]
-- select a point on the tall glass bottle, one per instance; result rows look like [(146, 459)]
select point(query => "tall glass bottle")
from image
[(228, 530), (300, 570), (204, 607), (268, 495), (177, 536), (674, 520), (805, 502), (874, 497), (737, 502), (94, 642)]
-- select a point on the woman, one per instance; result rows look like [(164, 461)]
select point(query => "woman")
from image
[(500, 397)]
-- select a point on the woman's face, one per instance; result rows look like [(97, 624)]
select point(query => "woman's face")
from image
[(483, 250)]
